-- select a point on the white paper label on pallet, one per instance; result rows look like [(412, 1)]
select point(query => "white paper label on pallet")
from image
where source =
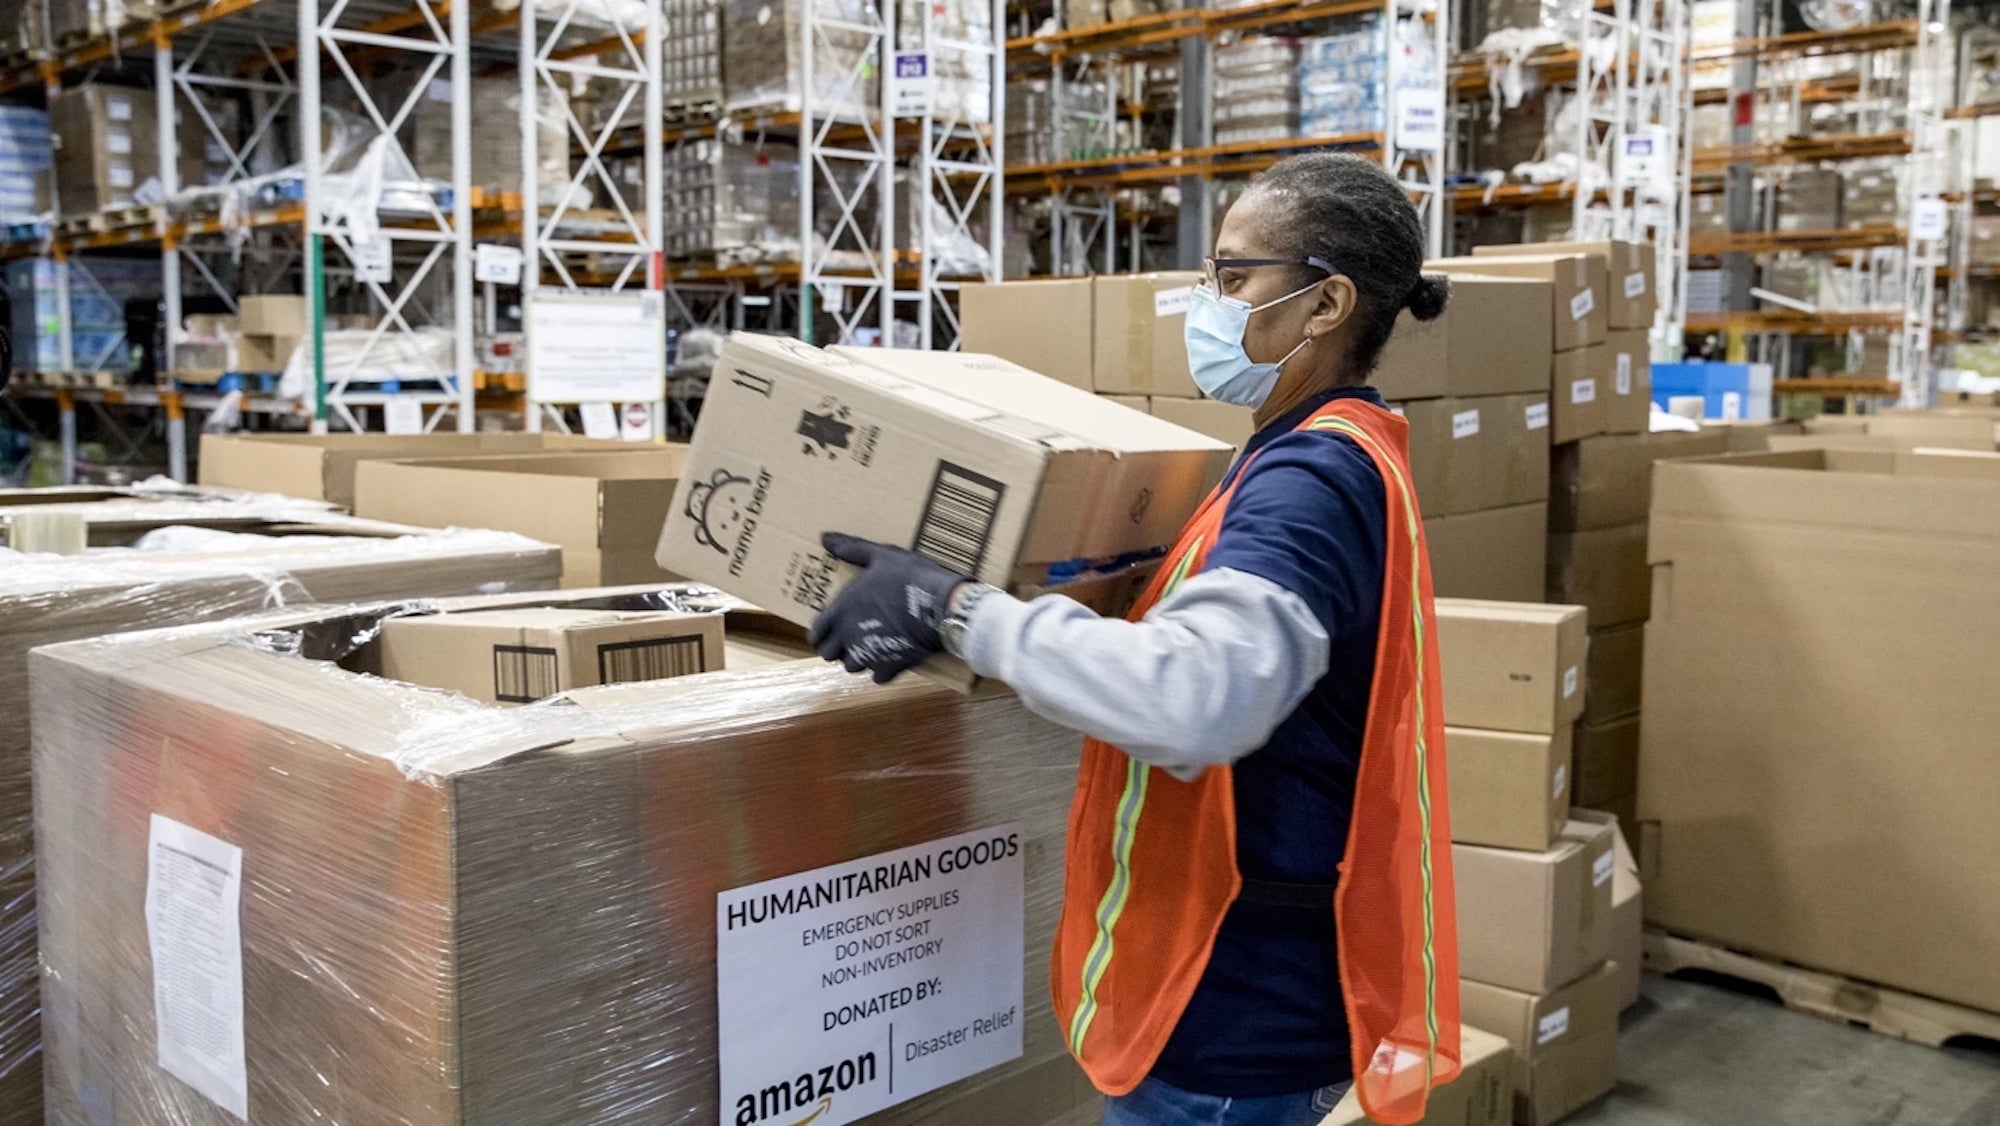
[(1927, 220), (1732, 405), (497, 263), (1635, 283), (852, 988), (1552, 1025), (1602, 869), (1581, 305), (1420, 120), (194, 887), (912, 84), (1624, 373), (1537, 415), (600, 420), (1583, 391), (1570, 682), (596, 347), (1561, 780), (1465, 424), (373, 259), (118, 107), (403, 416), (117, 142), (1172, 302)]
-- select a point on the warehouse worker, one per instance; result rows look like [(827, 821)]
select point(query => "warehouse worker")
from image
[(1258, 898)]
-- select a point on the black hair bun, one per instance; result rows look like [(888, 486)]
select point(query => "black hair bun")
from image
[(1427, 298)]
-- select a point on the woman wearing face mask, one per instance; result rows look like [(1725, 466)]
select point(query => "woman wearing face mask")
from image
[(1258, 901)]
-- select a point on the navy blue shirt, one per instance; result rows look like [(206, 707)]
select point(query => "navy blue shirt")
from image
[(1267, 1018)]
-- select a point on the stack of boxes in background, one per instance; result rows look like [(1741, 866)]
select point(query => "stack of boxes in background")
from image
[(1256, 90), (736, 199), (25, 160), (1548, 948), (99, 290)]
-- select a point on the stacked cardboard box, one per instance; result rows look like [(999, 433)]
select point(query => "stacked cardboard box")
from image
[(232, 554), (530, 930), (1817, 772), (1474, 385), (321, 466), (1534, 878)]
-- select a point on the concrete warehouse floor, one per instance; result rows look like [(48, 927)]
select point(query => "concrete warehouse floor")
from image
[(1695, 1054)]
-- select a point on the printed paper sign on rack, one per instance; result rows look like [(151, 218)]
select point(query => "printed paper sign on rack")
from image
[(913, 84), (851, 988), (596, 348), (1420, 120)]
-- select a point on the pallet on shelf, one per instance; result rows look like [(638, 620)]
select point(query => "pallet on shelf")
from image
[(1831, 996), (110, 219)]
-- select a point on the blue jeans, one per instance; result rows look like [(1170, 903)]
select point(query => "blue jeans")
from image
[(1153, 1103)]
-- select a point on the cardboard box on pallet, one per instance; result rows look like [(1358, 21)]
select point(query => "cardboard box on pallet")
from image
[(106, 146), (1498, 554), (1631, 270), (481, 985), (1511, 666), (1816, 770), (1468, 455), (236, 555), (1482, 1095), (321, 466), (982, 465), (1630, 384), (1138, 325), (1535, 921), (1580, 403), (1606, 757), (1614, 672), (1579, 287), (1603, 569), (519, 656), (1565, 1041), (1492, 339), (1508, 789), (1628, 924), (1606, 481), (1045, 326), (604, 509)]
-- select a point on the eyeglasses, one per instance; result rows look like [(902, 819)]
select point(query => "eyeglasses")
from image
[(1212, 264)]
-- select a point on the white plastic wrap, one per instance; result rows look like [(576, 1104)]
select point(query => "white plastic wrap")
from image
[(453, 913)]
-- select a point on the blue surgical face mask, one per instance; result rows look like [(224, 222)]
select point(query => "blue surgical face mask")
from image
[(1214, 336)]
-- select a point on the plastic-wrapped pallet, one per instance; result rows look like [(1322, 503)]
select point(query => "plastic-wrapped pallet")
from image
[(1341, 79), (99, 289), (763, 63), (1256, 90), (1564, 17), (1030, 123), (25, 160), (691, 58), (49, 599), (961, 81), (71, 21), (735, 199), (458, 914), (496, 137)]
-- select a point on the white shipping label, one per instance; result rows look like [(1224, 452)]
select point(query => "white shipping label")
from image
[(194, 890), (852, 988), (497, 263), (118, 108), (1561, 781), (1570, 682), (1581, 305), (600, 420), (372, 261), (1552, 1025), (117, 142), (1928, 219), (1583, 391), (1635, 283), (1537, 415), (1624, 373), (403, 416), (1172, 302), (1465, 424), (1601, 870), (1732, 405), (118, 175)]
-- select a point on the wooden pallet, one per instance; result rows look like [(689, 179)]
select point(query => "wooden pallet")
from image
[(105, 380), (1889, 1012), (683, 112), (110, 219)]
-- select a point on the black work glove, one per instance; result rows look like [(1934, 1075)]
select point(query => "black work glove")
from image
[(886, 620)]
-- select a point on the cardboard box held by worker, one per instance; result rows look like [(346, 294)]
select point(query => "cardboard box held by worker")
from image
[(986, 467)]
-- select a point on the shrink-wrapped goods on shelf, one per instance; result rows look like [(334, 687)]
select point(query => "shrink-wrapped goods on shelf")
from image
[(737, 199), (26, 160), (560, 913), (496, 137), (961, 81), (1343, 78), (68, 22), (106, 142), (173, 558), (1564, 17), (1256, 90), (98, 291), (763, 57), (691, 58)]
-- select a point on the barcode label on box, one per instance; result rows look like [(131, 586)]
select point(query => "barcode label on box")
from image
[(118, 108), (523, 674), (1537, 415), (1561, 780), (1624, 373), (654, 659), (117, 141), (1569, 682), (958, 518), (1552, 1025), (1583, 391), (1581, 305), (1601, 871), (1465, 424), (1635, 283), (1172, 302), (119, 175)]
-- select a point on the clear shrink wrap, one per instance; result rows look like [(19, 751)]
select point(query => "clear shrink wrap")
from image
[(213, 572), (454, 913), (764, 45)]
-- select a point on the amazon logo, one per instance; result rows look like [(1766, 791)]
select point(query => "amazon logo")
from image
[(810, 1095)]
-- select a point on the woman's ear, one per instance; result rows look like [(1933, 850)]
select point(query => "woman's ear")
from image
[(1337, 299)]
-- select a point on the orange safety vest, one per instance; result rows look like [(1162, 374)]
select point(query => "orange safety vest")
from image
[(1151, 867)]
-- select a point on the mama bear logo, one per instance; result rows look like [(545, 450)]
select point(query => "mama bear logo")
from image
[(725, 509)]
